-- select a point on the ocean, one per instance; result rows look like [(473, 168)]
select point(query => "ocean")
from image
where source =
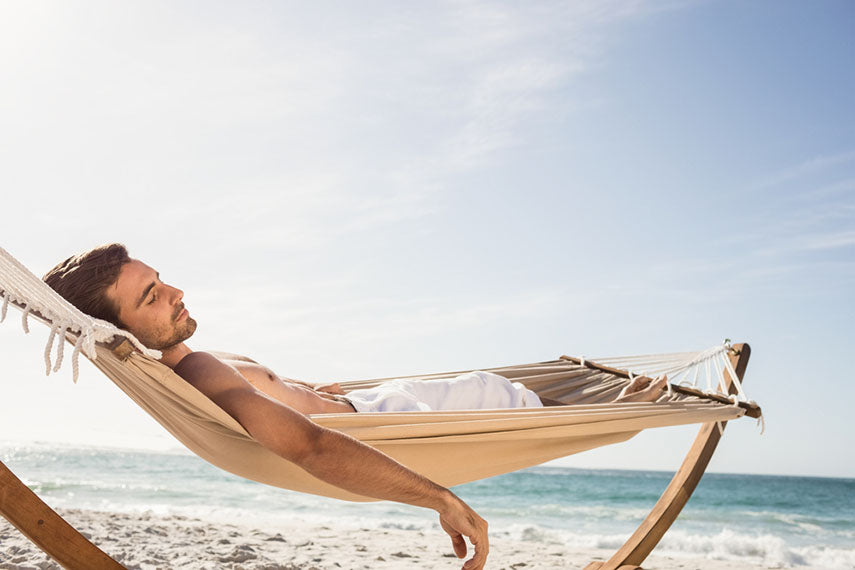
[(778, 521)]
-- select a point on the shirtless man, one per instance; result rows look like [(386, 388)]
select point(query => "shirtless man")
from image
[(106, 283)]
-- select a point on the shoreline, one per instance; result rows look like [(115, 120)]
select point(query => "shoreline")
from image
[(156, 510), (148, 541)]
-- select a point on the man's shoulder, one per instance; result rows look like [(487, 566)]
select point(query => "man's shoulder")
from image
[(200, 364), (231, 356), (216, 379)]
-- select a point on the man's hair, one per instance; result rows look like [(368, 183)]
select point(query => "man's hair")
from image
[(83, 280)]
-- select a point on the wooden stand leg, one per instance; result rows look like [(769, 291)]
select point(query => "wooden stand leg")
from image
[(672, 501), (49, 531)]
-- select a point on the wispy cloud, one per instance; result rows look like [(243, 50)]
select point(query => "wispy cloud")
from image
[(809, 166), (806, 209), (827, 241), (517, 60), (264, 128)]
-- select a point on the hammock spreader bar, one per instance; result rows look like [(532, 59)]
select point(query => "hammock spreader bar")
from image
[(752, 409)]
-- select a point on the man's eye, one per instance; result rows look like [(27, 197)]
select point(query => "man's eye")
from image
[(153, 299)]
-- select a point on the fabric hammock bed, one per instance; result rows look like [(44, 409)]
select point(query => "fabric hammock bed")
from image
[(449, 447)]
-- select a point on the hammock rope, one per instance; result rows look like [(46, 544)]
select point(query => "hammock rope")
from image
[(19, 286), (691, 369)]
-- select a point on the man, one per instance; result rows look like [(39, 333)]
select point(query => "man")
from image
[(106, 283)]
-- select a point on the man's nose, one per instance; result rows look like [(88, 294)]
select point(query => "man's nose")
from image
[(177, 294)]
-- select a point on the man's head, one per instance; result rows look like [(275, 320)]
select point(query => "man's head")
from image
[(108, 284), (83, 280)]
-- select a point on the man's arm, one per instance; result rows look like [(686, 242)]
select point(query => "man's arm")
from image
[(330, 455)]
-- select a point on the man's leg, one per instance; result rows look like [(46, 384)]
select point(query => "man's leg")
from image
[(473, 391)]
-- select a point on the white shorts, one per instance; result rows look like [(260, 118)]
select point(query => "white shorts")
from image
[(471, 391)]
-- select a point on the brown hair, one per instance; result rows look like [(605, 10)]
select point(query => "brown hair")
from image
[(83, 280)]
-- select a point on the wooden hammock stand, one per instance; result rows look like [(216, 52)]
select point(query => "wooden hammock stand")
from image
[(62, 542)]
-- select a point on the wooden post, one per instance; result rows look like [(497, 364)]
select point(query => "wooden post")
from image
[(49, 531), (665, 511)]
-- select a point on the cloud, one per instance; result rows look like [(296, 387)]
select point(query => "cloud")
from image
[(830, 240), (280, 126), (810, 166), (809, 211)]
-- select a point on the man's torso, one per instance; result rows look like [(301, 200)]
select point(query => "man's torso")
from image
[(295, 395)]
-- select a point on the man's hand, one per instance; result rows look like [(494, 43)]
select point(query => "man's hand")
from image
[(334, 388), (459, 521)]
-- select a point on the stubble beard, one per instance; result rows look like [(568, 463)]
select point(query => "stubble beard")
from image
[(163, 341)]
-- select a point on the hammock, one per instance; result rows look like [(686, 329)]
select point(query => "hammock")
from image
[(449, 447)]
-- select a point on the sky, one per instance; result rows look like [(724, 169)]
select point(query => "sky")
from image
[(358, 190)]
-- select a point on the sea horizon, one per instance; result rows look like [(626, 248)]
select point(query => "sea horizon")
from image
[(178, 449)]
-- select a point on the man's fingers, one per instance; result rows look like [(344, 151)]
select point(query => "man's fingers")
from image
[(463, 522), (457, 540), (481, 546), (459, 545), (479, 557)]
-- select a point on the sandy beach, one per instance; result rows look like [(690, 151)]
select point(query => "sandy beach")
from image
[(148, 541)]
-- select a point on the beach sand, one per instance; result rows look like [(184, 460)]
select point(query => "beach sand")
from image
[(148, 541)]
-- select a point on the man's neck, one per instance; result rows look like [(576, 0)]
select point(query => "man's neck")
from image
[(173, 355)]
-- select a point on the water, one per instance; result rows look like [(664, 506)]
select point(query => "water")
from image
[(774, 520)]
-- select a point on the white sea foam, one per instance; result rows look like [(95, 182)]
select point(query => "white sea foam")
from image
[(761, 549), (831, 558), (589, 512), (802, 522), (766, 549)]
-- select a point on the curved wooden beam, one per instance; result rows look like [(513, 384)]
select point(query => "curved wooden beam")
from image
[(49, 531), (673, 499)]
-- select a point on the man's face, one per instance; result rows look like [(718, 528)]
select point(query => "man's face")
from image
[(149, 308)]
